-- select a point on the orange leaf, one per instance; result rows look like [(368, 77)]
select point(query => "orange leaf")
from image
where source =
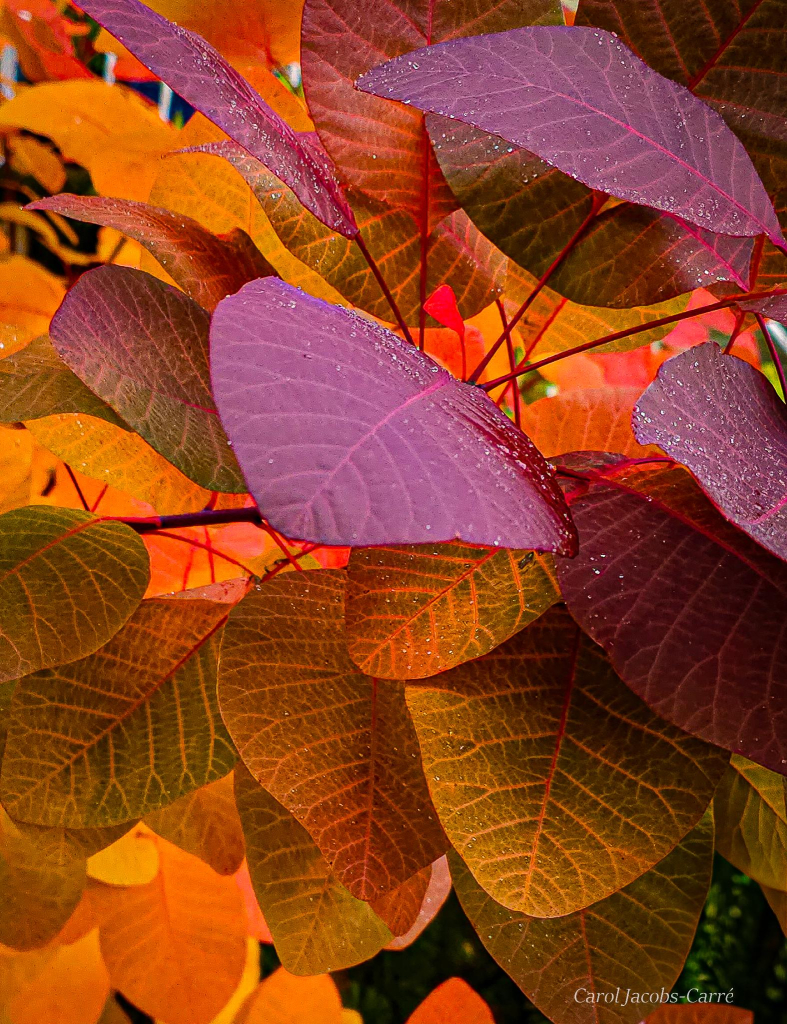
[(284, 998), (436, 894), (451, 1002)]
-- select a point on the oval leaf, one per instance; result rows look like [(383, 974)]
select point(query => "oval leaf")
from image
[(721, 418), (655, 556), (597, 125), (142, 346), (635, 939), (336, 747), (555, 784), (347, 435), (413, 612), (68, 582), (198, 73), (206, 266), (125, 731)]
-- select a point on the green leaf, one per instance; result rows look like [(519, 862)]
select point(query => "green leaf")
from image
[(68, 582)]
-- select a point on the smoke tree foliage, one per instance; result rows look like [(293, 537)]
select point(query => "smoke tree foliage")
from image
[(532, 647)]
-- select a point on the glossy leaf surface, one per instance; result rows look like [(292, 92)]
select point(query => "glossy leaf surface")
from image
[(141, 722), (528, 750), (198, 73), (102, 572), (142, 346), (634, 939), (412, 612), (317, 926), (353, 779), (599, 127), (654, 556), (721, 418), (393, 449), (206, 266)]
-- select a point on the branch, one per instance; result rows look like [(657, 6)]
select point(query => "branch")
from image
[(208, 517)]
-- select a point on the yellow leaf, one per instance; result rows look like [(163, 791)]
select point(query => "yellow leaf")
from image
[(72, 989), (34, 157), (111, 131), (131, 860), (175, 947), (29, 295)]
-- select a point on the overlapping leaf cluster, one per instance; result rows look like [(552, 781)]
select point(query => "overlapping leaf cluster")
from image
[(298, 625)]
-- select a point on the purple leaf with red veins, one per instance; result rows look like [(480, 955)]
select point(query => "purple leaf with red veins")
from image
[(348, 435), (721, 418), (198, 73), (579, 99), (690, 610)]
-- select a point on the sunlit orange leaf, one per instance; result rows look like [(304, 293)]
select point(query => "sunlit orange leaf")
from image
[(450, 1002), (460, 356), (256, 925), (175, 947), (206, 824), (131, 860), (317, 926), (120, 458), (38, 892), (436, 894), (354, 778), (29, 155), (751, 821), (414, 611), (114, 133), (43, 39), (699, 1013), (72, 988), (143, 726), (101, 570), (284, 998), (584, 420), (29, 295), (16, 465), (82, 921), (554, 782), (248, 983), (635, 939), (400, 907), (112, 1014)]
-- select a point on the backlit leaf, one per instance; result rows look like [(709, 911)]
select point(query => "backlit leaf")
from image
[(206, 266), (750, 807), (29, 295), (635, 939), (317, 926), (175, 947), (400, 908), (721, 418), (117, 457), (125, 731), (142, 346), (284, 998), (38, 891), (131, 860), (353, 777), (415, 611), (598, 127), (437, 892), (532, 210), (198, 73), (555, 784), (393, 449), (454, 1000), (35, 382), (584, 419), (654, 557), (205, 823), (68, 582)]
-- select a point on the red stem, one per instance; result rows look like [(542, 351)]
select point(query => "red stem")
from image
[(384, 288), (735, 332), (664, 321), (775, 358), (598, 201), (512, 364)]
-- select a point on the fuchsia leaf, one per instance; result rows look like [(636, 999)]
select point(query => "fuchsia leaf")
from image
[(198, 73), (579, 99), (689, 609), (347, 435), (721, 418)]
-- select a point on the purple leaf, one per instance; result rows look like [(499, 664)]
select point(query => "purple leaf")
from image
[(689, 609), (348, 435), (721, 418), (579, 99), (198, 73), (773, 307)]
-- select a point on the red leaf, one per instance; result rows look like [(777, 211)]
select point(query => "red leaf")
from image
[(441, 305)]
